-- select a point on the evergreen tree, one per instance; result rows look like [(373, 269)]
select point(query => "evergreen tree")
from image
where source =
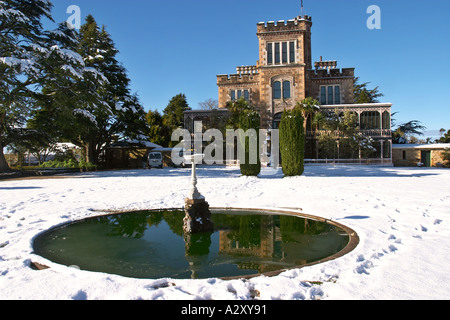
[(405, 132), (30, 59), (364, 95), (117, 114), (173, 116), (174, 112), (445, 138), (158, 132), (292, 142), (250, 122), (20, 33), (93, 106)]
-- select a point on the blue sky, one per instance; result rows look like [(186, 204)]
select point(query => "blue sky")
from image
[(179, 46)]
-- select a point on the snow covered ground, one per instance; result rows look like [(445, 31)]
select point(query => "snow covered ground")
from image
[(402, 216)]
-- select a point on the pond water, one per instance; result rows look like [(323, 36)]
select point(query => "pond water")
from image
[(151, 244)]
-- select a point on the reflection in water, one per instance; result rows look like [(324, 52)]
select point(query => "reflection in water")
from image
[(152, 244)]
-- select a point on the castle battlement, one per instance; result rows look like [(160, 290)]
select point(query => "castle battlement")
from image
[(297, 24), (332, 73), (226, 79)]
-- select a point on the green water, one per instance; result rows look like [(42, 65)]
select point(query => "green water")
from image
[(151, 244)]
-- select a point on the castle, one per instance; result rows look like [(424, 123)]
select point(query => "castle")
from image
[(285, 75)]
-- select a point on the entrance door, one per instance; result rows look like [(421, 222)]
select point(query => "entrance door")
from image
[(426, 158)]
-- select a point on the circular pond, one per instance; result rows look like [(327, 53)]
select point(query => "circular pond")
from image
[(151, 244)]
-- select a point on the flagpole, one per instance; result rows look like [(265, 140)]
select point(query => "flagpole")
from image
[(302, 9)]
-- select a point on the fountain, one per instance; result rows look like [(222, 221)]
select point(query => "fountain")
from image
[(198, 216), (197, 242)]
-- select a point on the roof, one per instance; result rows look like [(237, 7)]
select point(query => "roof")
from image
[(422, 146), (128, 143)]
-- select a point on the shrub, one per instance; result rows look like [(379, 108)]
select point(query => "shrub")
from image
[(250, 119), (292, 143), (69, 164)]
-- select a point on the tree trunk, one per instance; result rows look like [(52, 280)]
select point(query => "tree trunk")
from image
[(91, 154), (4, 167)]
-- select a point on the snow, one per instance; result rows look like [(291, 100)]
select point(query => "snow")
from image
[(72, 71), (86, 114), (96, 73), (400, 214), (26, 65)]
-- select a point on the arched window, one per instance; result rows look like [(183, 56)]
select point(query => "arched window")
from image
[(286, 90), (277, 120), (277, 90)]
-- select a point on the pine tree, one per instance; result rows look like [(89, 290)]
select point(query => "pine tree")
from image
[(173, 115), (26, 52), (158, 133), (364, 95), (96, 108), (20, 33), (292, 142)]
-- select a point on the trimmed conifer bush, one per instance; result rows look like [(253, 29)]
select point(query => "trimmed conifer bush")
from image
[(292, 143), (249, 119)]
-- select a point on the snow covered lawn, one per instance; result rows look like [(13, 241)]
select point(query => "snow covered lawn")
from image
[(401, 215)]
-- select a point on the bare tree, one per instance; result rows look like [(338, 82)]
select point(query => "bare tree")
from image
[(209, 104)]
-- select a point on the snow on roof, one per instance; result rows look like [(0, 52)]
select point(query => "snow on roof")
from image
[(148, 144), (422, 146)]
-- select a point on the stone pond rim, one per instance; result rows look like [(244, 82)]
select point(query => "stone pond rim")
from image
[(352, 243)]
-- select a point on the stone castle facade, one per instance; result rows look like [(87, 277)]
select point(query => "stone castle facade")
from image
[(285, 75)]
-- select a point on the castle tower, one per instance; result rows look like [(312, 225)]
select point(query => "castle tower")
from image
[(284, 58)]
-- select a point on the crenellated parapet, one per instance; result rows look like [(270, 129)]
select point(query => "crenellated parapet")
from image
[(332, 73), (247, 77), (297, 24)]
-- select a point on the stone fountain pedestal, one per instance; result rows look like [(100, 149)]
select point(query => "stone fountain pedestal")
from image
[(198, 216)]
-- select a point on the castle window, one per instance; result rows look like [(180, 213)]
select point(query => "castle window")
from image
[(237, 94), (280, 52), (323, 95), (246, 95), (281, 90), (337, 95), (277, 53), (270, 53), (286, 90), (330, 95), (277, 90), (291, 52), (284, 52)]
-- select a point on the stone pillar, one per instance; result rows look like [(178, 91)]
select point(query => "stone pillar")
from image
[(198, 216)]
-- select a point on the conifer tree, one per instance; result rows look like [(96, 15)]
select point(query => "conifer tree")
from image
[(96, 108), (292, 142), (249, 122), (173, 115), (30, 58)]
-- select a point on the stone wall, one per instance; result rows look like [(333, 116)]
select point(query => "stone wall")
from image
[(411, 156)]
